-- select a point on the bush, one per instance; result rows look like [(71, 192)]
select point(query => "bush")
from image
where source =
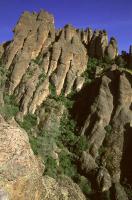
[(89, 73), (3, 74), (66, 164), (41, 78), (67, 131), (35, 144), (81, 145), (108, 129), (10, 107), (10, 100), (107, 60), (50, 167), (83, 183), (37, 60), (52, 91), (9, 111), (120, 62), (29, 122)]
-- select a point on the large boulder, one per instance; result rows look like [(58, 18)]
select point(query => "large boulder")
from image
[(20, 171), (64, 188)]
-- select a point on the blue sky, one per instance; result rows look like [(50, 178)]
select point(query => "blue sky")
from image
[(113, 15)]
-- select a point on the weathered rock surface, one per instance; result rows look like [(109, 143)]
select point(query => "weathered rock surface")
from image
[(105, 118), (112, 49), (20, 171), (42, 60), (59, 55), (98, 44), (63, 189)]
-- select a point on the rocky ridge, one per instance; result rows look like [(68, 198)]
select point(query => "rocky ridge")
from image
[(60, 55), (45, 66)]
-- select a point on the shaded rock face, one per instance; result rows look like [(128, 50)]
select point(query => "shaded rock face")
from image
[(98, 44), (20, 171), (107, 117)]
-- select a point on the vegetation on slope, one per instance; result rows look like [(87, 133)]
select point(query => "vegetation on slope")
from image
[(68, 143)]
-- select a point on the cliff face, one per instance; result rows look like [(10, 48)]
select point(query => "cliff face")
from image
[(103, 113), (43, 72)]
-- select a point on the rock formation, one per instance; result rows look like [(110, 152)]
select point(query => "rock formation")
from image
[(44, 69), (104, 119), (112, 49), (20, 171)]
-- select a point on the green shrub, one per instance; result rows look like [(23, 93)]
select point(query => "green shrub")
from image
[(89, 73), (81, 145), (41, 78), (107, 60), (9, 111), (37, 60), (50, 167), (29, 122), (10, 100), (83, 183), (10, 107), (67, 130), (66, 164), (66, 101), (120, 62), (35, 144), (108, 129), (3, 74), (52, 91)]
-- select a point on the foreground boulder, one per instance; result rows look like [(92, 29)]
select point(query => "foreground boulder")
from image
[(63, 189), (20, 171)]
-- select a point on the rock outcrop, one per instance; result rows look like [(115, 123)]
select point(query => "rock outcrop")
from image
[(44, 66), (105, 118), (98, 44), (64, 189), (20, 171), (61, 56), (112, 49)]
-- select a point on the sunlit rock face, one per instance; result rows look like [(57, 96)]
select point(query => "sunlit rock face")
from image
[(42, 60), (60, 55), (20, 171)]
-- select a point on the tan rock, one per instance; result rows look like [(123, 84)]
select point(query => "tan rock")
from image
[(98, 44), (112, 50), (64, 189), (30, 36), (20, 171)]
